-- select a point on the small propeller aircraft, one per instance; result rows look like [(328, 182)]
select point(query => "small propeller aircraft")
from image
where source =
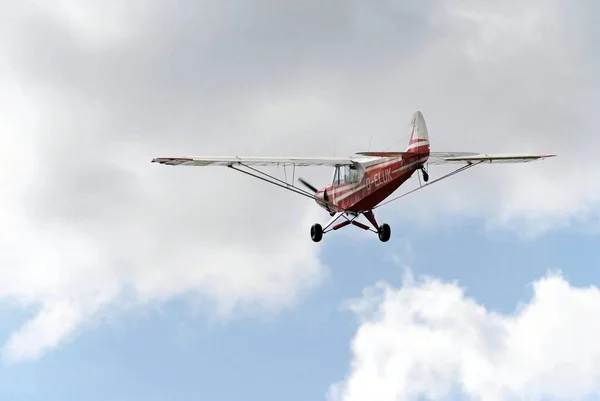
[(361, 183)]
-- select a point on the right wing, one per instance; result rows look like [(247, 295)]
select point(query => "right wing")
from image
[(463, 157), (253, 161), (469, 158)]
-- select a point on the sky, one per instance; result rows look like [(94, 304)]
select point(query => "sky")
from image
[(122, 280)]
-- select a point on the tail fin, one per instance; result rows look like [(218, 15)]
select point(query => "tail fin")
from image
[(419, 137)]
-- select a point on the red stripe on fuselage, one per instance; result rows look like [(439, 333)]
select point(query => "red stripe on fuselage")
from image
[(413, 141), (422, 149)]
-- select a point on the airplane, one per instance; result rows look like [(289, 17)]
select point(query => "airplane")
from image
[(360, 183)]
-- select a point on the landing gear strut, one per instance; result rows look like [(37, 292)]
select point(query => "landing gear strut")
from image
[(383, 231), (425, 174)]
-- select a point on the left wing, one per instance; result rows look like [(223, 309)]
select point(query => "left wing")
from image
[(244, 165), (469, 158), (253, 161)]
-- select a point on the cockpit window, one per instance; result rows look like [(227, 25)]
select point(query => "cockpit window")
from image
[(348, 174)]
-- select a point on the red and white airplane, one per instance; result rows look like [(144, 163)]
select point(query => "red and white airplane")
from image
[(360, 184)]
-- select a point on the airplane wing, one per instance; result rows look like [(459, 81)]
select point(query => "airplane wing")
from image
[(463, 157), (469, 158), (253, 161), (245, 165)]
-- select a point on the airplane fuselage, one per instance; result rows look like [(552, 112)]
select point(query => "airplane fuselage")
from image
[(379, 180)]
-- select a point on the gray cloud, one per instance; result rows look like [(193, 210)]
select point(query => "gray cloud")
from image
[(105, 86)]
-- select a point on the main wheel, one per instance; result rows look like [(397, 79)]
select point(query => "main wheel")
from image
[(425, 176), (316, 232), (385, 232)]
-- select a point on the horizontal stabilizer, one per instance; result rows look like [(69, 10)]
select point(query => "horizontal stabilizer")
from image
[(388, 154), (437, 155)]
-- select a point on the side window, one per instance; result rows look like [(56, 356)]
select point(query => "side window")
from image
[(339, 175), (345, 174), (353, 174)]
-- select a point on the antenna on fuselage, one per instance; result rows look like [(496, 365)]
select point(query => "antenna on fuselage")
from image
[(335, 146)]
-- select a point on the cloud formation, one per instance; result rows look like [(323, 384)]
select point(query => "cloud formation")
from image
[(429, 339), (93, 90)]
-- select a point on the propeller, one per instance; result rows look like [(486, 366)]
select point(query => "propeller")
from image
[(314, 189), (309, 186)]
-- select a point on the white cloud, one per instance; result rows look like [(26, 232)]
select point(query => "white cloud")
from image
[(55, 322), (429, 339)]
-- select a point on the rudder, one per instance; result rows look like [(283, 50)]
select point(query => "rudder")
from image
[(419, 136)]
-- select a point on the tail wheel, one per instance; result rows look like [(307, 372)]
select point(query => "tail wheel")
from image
[(384, 232), (316, 232), (425, 174)]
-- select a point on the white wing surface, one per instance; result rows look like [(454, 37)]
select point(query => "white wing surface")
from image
[(467, 158), (253, 161)]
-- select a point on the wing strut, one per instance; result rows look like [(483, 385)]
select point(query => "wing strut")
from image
[(458, 170), (278, 182)]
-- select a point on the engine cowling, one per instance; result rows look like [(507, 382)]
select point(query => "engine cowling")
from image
[(322, 199)]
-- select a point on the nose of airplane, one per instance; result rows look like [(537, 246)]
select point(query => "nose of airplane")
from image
[(320, 194), (321, 198)]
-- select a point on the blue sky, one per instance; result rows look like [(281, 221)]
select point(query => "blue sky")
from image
[(121, 279), (172, 353)]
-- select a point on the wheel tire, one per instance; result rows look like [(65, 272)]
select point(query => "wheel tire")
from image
[(425, 176), (316, 232), (385, 232)]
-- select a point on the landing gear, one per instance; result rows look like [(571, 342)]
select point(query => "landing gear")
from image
[(316, 232), (384, 231), (425, 174)]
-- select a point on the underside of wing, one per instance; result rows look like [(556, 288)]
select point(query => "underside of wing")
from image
[(253, 161), (467, 158)]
